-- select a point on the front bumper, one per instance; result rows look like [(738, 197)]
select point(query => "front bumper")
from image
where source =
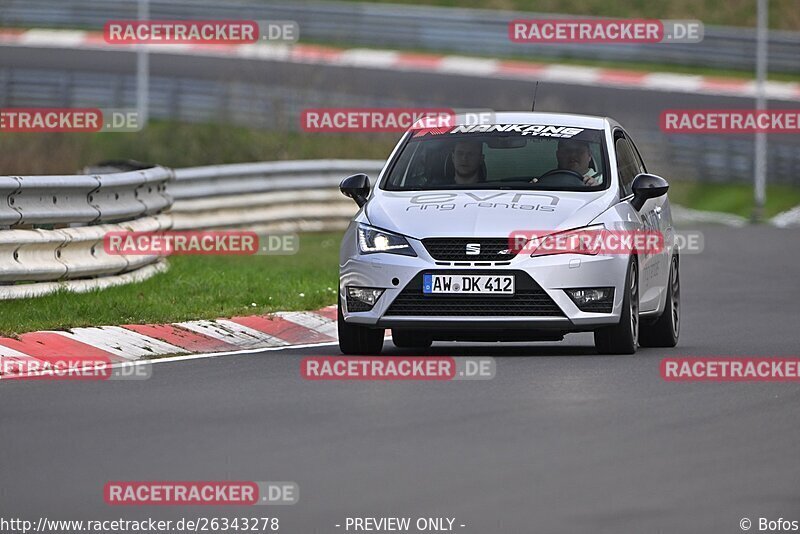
[(551, 274)]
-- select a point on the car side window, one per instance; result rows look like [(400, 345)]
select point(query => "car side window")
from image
[(627, 166), (636, 155)]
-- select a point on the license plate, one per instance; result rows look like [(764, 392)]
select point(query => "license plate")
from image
[(433, 284)]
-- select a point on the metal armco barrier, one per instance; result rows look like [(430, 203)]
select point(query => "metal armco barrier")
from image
[(54, 228), (83, 199), (469, 31), (131, 194), (248, 178), (70, 253), (287, 195)]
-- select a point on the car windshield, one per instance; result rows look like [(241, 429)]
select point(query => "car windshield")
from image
[(507, 156)]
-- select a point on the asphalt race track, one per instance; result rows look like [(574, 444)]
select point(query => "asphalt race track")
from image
[(562, 440)]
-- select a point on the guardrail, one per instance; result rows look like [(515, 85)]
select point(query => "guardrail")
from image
[(48, 200), (54, 228), (472, 31), (285, 195), (71, 259)]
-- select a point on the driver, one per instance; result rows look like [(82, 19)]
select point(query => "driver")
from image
[(467, 162), (574, 155)]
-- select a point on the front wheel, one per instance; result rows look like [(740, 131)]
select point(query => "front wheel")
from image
[(665, 331), (358, 340), (623, 338)]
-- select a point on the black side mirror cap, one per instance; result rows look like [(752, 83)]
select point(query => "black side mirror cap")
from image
[(356, 187), (645, 187)]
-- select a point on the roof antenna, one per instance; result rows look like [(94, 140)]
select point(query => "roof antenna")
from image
[(533, 106)]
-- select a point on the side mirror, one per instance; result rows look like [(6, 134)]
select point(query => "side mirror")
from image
[(356, 187), (647, 186)]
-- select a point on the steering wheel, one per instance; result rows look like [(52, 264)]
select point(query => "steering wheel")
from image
[(573, 176)]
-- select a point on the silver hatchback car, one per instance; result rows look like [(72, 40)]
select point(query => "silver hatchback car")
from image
[(526, 229)]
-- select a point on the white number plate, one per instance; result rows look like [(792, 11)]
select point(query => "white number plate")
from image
[(433, 284)]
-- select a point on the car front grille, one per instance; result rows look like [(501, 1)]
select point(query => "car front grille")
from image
[(529, 300), (455, 248)]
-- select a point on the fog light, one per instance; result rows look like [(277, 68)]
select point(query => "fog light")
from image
[(362, 298), (593, 299)]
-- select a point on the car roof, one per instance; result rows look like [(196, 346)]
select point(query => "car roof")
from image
[(529, 117)]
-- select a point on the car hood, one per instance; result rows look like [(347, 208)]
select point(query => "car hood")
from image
[(483, 213)]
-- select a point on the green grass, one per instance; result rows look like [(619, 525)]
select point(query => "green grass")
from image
[(783, 14), (732, 198), (195, 287)]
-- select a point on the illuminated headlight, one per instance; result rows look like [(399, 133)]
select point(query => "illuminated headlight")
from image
[(362, 298), (371, 240), (592, 299)]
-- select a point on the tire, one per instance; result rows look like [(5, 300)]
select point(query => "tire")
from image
[(623, 338), (409, 339), (358, 340), (667, 328)]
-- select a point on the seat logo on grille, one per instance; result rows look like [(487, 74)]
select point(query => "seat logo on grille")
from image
[(473, 249)]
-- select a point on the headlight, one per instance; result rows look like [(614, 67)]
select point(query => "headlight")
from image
[(588, 240), (372, 240)]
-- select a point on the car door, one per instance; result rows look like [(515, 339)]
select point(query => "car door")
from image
[(628, 167), (663, 223)]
